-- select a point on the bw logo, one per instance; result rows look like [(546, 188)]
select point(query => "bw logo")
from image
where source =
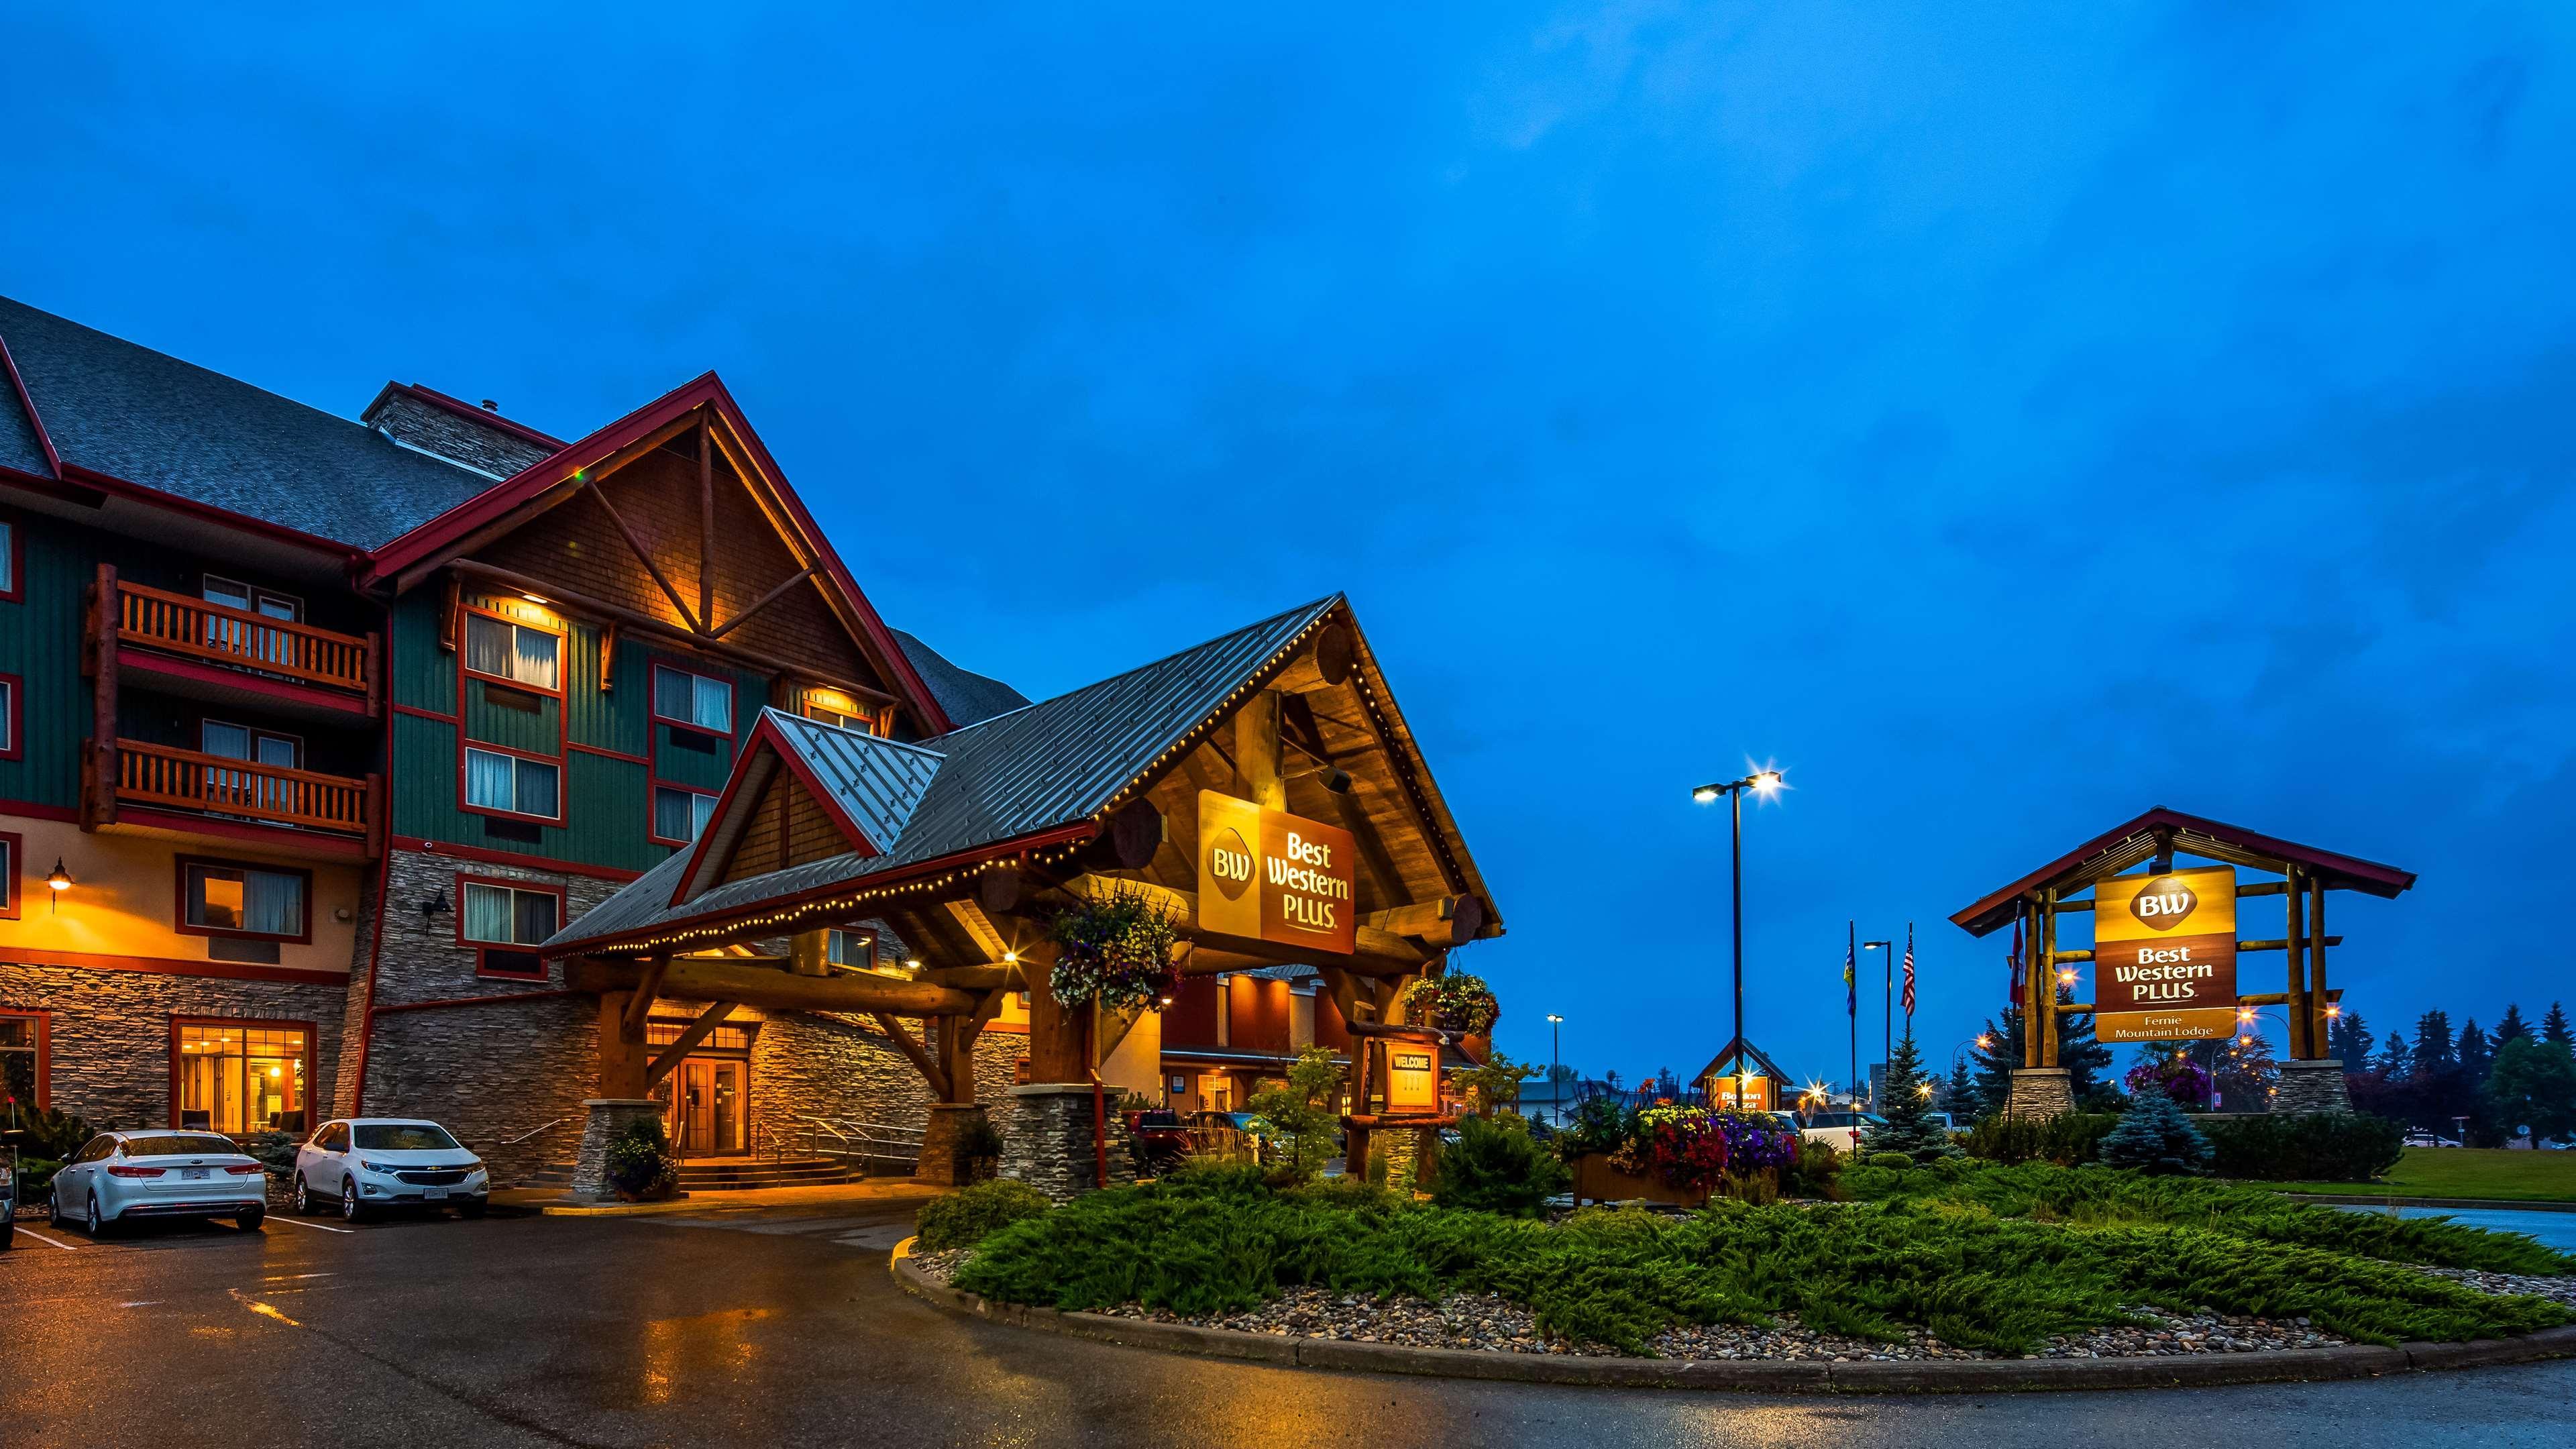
[(2163, 903)]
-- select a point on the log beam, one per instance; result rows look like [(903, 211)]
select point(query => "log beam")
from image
[(647, 986), (702, 978), (915, 1053), (1380, 951), (698, 1031), (1443, 921)]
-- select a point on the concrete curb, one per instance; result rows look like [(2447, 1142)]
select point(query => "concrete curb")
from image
[(2464, 1204), (1936, 1376)]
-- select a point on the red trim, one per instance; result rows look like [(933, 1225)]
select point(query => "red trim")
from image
[(179, 910), (312, 1042), (563, 654), (27, 400), (463, 744), (453, 1001), (603, 750), (503, 857), (166, 966), (426, 539), (44, 1020), (485, 416), (384, 886), (142, 659), (479, 948), (16, 846), (13, 720), (831, 804), (653, 696), (17, 560), (418, 712), (35, 810), (263, 837)]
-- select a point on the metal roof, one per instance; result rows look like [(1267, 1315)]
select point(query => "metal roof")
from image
[(1019, 774), (877, 782), (126, 411)]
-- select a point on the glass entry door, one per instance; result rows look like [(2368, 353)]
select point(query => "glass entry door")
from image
[(702, 1103)]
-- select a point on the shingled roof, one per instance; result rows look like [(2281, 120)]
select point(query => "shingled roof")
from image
[(139, 416), (964, 696), (1014, 776)]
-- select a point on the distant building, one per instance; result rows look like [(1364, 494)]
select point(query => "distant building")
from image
[(1744, 1076)]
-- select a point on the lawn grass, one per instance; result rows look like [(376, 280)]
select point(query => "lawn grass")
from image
[(1985, 1257), (2465, 1172)]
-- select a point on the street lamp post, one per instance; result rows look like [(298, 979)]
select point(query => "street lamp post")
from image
[(1886, 1008), (1555, 1083), (1763, 782)]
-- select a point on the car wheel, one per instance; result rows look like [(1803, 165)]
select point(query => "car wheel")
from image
[(350, 1212), (303, 1197), (91, 1222), (249, 1221)]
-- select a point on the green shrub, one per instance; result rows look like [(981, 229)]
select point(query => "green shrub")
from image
[(52, 1132), (274, 1151), (641, 1165), (1350, 1195), (1600, 1125), (1816, 1172), (2069, 1139), (2155, 1137), (966, 1217), (1897, 1160), (1938, 1258), (1495, 1166), (2316, 1147), (979, 1146), (36, 1179)]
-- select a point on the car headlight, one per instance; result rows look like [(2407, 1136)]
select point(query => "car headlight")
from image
[(386, 1169)]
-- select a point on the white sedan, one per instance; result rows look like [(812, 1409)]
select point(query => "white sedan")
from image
[(121, 1176), (361, 1165)]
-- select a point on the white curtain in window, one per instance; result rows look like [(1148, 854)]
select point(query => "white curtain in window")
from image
[(714, 704), (487, 645), (536, 659), (487, 914), (488, 780), (275, 903), (702, 808)]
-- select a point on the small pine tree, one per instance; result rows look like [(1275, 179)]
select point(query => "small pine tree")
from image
[(2553, 1027), (1961, 1101), (2348, 1037), (2511, 1025), (2155, 1137), (1909, 1128)]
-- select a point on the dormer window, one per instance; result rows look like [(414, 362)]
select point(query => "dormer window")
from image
[(832, 707)]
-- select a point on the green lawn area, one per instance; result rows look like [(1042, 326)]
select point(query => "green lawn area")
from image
[(2471, 1172)]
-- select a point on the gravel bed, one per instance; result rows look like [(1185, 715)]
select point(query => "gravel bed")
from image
[(1488, 1324), (2556, 1290)]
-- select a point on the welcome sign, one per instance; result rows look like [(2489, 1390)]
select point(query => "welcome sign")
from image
[(2164, 956), (1274, 876), (1412, 1079)]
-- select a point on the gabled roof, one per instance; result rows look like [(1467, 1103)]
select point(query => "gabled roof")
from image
[(440, 538), (833, 776), (139, 417), (1735, 1047), (2119, 848), (1033, 775), (964, 696)]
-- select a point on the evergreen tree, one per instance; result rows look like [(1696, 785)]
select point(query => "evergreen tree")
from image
[(1997, 1060), (2476, 1054), (2085, 1058), (2155, 1137), (2349, 1039), (2393, 1057), (2534, 1086), (1909, 1127), (2511, 1026), (2553, 1027), (1960, 1100), (2433, 1060)]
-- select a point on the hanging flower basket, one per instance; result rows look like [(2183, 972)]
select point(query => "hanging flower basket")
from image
[(1115, 948), (1453, 1003)]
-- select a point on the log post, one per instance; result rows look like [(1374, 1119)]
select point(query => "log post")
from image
[(809, 953), (2294, 945), (2048, 977), (622, 1066), (2317, 993), (1057, 1050), (1256, 751), (106, 611)]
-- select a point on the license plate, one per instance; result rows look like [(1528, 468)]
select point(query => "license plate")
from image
[(193, 1174), (433, 1193)]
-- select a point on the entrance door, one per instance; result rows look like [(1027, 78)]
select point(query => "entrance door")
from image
[(704, 1099)]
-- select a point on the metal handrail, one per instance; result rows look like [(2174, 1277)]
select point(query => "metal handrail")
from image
[(869, 1141), (524, 1136)]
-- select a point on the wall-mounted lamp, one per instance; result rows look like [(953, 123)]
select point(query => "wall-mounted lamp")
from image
[(60, 880), (431, 905)]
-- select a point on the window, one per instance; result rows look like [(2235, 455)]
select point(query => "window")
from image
[(237, 742), (680, 815), (220, 898), (10, 848), (722, 1039), (692, 699), (11, 563), (495, 781), (404, 1137), (506, 922), (22, 1061), (832, 707), (233, 594), (239, 1076), (519, 653), (8, 716), (856, 949)]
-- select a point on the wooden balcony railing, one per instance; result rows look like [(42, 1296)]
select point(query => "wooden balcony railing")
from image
[(182, 625), (187, 780)]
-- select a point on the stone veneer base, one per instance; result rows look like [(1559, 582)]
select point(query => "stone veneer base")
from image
[(2313, 1086), (608, 1117), (2040, 1092), (1046, 1140), (1938, 1376)]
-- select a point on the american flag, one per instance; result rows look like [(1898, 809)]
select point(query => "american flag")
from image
[(1851, 978), (1909, 971)]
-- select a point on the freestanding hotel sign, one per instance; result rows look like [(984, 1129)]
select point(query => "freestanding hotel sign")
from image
[(2164, 956), (1273, 876), (1412, 1079)]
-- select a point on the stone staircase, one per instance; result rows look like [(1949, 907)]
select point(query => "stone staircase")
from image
[(727, 1174)]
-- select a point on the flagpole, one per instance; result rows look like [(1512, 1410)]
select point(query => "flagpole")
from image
[(1851, 1008)]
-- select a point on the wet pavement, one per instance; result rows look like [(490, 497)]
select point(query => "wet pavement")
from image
[(780, 1326)]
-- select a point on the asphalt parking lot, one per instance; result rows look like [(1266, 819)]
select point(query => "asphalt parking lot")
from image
[(781, 1326)]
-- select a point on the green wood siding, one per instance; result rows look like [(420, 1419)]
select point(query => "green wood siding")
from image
[(40, 642)]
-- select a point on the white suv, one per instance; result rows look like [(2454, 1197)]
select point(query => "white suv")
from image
[(363, 1164)]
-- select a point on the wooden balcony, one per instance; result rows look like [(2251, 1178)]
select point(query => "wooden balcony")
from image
[(295, 658), (160, 777)]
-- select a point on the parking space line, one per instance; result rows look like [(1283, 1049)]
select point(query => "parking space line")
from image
[(48, 1242), (317, 1227)]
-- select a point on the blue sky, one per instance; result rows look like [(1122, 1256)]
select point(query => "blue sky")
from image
[(2005, 418)]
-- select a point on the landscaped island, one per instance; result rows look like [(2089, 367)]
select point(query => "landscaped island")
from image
[(1959, 1258)]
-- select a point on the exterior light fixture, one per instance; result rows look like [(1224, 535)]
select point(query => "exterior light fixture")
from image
[(2332, 1010), (432, 904), (1705, 794), (1011, 958), (59, 880), (2065, 978), (1985, 1041), (536, 598)]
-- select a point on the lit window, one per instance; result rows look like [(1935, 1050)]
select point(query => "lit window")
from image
[(242, 900), (852, 948), (19, 1032), (832, 707), (520, 653), (681, 814), (692, 699), (239, 1078), (494, 781)]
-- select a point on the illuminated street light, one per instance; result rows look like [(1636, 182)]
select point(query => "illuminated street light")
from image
[(1764, 783)]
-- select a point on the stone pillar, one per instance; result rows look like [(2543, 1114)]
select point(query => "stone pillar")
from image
[(941, 1164), (2040, 1092), (1047, 1142), (2313, 1086), (609, 1116)]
